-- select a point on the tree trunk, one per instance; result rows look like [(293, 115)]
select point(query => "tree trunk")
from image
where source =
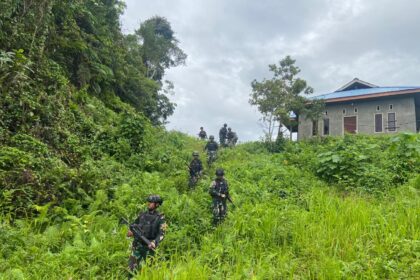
[(291, 133), (279, 132)]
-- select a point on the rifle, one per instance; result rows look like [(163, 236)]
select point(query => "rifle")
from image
[(138, 234), (188, 166), (230, 200)]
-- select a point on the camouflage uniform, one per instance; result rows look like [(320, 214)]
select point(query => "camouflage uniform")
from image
[(153, 226), (202, 134), (222, 136), (218, 188), (232, 138), (195, 167), (211, 148)]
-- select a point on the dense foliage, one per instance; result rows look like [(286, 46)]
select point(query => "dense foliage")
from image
[(51, 48), (290, 220), (79, 150), (76, 93), (372, 164)]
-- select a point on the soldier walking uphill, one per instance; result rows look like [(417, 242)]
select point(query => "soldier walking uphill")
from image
[(211, 148), (232, 138), (222, 135), (148, 231), (196, 168), (219, 191), (202, 134)]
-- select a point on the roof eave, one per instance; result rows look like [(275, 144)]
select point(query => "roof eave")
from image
[(373, 95)]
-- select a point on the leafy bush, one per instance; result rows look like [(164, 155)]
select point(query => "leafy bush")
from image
[(370, 163)]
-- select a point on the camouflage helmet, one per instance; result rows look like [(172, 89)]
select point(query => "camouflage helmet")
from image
[(211, 137), (220, 172), (229, 129), (195, 154), (201, 127), (225, 124), (155, 198)]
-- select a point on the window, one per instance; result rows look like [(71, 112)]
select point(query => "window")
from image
[(314, 128), (344, 111), (378, 122), (350, 124), (355, 110), (378, 108), (391, 106), (326, 113), (326, 127), (392, 122)]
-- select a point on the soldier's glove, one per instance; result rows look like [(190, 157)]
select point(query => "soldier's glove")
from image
[(129, 233), (152, 245)]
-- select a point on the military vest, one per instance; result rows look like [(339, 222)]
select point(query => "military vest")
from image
[(149, 224), (195, 165), (212, 146), (221, 186)]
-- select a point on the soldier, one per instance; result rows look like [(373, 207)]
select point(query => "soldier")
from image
[(202, 134), (148, 230), (219, 192), (211, 148), (235, 138), (232, 138), (196, 168), (222, 135)]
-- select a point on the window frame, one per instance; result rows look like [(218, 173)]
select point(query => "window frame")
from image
[(382, 123), (323, 127), (395, 122)]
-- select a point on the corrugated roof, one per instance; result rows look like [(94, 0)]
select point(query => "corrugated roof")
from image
[(364, 91)]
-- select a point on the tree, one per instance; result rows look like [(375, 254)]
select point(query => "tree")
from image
[(160, 48), (277, 97), (82, 42)]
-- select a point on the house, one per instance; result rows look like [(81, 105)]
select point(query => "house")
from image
[(361, 107)]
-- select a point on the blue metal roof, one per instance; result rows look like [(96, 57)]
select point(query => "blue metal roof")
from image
[(364, 91)]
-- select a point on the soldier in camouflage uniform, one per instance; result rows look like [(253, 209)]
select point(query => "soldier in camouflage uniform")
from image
[(219, 191), (151, 224), (232, 138), (196, 168), (222, 135), (202, 134), (211, 148)]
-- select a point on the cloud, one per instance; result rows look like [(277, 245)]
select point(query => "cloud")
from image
[(230, 43)]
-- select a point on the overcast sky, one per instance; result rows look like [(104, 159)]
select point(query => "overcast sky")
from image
[(231, 42)]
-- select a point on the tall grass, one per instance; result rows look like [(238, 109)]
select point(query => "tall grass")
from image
[(287, 224)]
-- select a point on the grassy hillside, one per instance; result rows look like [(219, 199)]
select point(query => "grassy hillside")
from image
[(290, 220), (81, 146)]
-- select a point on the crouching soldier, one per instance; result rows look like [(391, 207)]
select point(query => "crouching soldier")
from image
[(219, 191), (148, 231)]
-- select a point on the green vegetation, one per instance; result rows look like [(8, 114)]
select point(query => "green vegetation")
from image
[(288, 222), (81, 147)]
